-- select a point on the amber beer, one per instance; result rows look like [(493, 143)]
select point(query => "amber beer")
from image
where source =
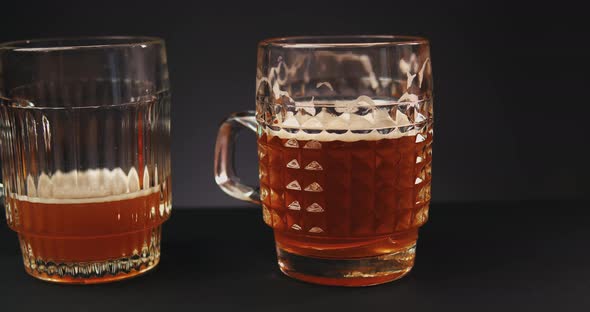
[(357, 196), (69, 233)]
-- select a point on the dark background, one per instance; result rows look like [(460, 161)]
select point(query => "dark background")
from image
[(510, 78), (510, 124)]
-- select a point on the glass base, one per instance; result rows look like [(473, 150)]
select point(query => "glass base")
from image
[(93, 259), (348, 272), (78, 273)]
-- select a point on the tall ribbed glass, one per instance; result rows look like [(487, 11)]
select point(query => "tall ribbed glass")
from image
[(84, 139)]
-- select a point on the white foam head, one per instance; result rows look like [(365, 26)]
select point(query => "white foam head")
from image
[(383, 121), (93, 185)]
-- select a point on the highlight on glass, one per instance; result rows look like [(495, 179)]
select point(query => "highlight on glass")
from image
[(85, 137), (344, 128)]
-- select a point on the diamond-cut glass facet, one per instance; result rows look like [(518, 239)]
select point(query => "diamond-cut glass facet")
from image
[(314, 165), (314, 208), (293, 164), (358, 171), (294, 205), (292, 143), (294, 185), (313, 145), (314, 187)]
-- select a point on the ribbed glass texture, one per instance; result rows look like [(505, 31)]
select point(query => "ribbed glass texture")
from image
[(85, 141)]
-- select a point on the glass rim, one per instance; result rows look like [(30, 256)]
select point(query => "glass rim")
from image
[(61, 43), (339, 41)]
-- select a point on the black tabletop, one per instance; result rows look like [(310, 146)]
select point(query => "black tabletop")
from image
[(494, 256)]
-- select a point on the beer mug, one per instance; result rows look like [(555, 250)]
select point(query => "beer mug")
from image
[(85, 136), (344, 130)]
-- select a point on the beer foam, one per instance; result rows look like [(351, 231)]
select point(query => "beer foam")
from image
[(345, 137), (383, 121), (89, 186)]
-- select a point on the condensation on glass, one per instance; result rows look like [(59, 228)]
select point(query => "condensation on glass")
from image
[(344, 128), (85, 138)]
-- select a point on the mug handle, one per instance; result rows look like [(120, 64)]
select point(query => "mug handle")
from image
[(3, 101), (224, 170)]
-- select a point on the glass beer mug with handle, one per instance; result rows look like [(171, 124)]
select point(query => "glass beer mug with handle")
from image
[(84, 140), (344, 130)]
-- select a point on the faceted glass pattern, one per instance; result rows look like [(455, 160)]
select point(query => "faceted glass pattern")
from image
[(344, 127), (343, 189), (85, 137)]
